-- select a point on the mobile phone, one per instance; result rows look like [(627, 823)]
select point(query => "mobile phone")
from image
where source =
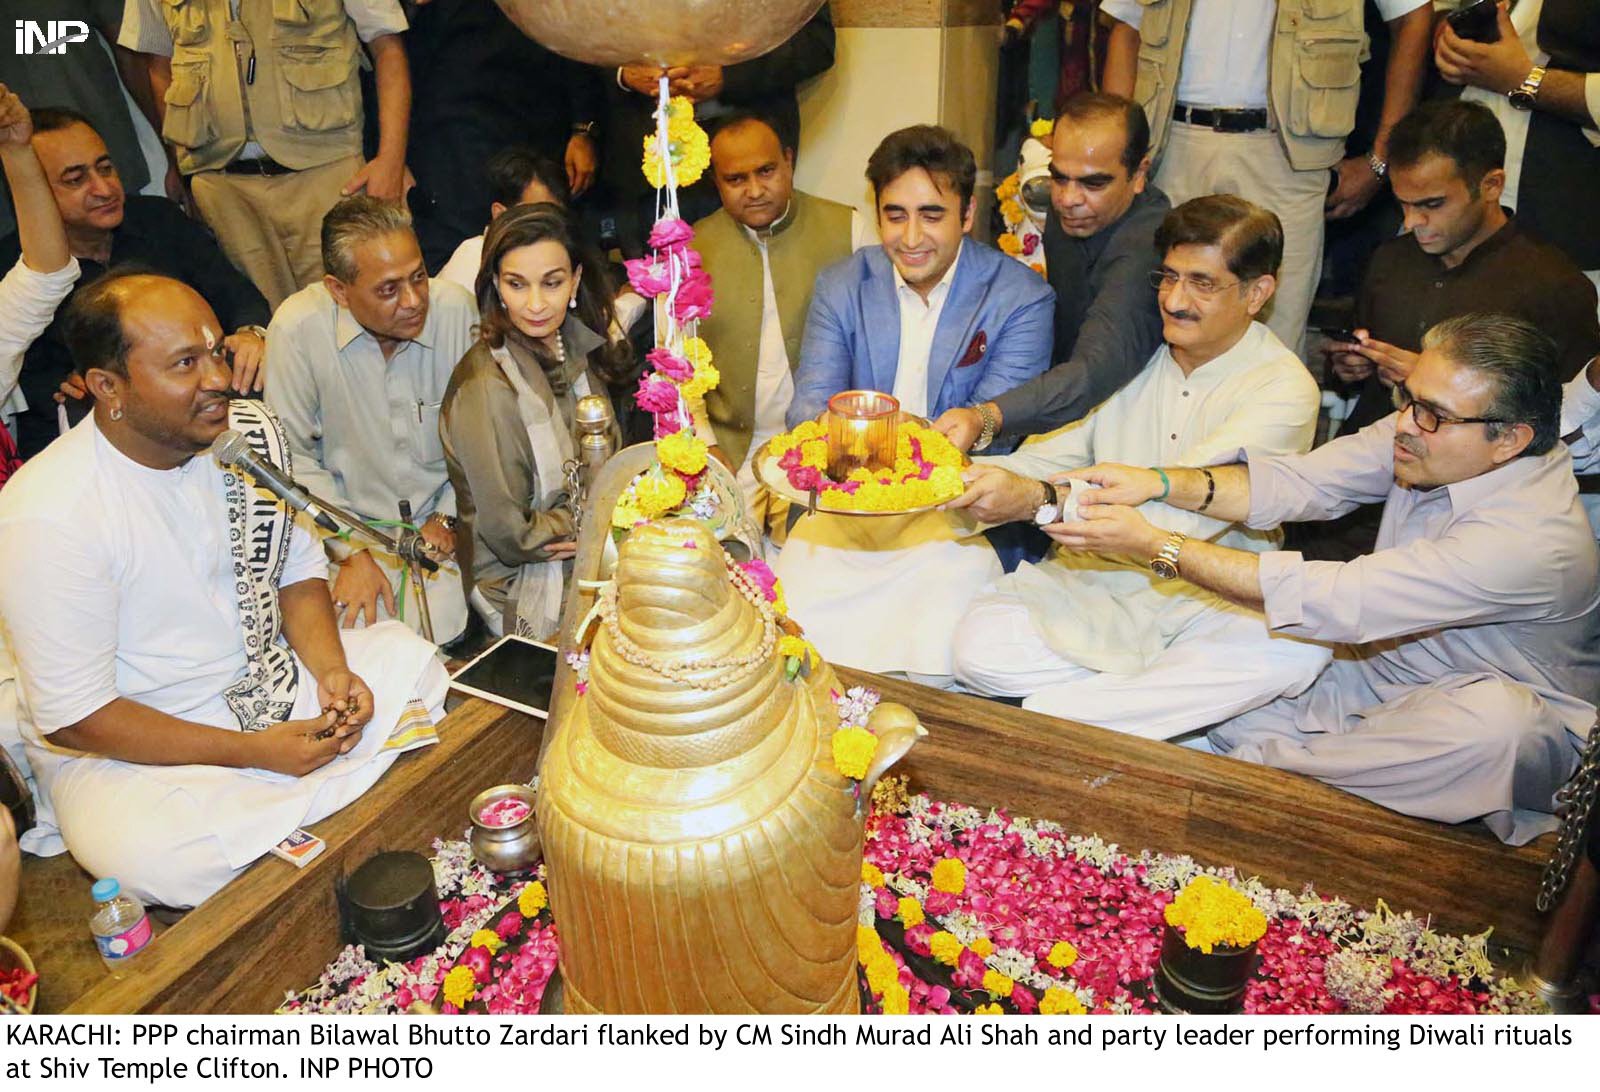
[(1476, 21), (1345, 334), (514, 672)]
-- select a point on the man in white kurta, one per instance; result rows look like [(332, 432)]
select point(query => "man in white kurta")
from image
[(1103, 640), (121, 593)]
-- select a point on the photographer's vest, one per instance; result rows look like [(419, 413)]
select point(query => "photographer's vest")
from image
[(1560, 167), (301, 102), (1313, 72), (814, 235)]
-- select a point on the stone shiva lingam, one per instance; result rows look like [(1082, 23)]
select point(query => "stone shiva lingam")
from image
[(703, 853)]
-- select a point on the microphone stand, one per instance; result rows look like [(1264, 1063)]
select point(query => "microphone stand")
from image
[(409, 547)]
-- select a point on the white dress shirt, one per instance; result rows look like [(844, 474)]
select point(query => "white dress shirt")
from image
[(28, 303), (919, 321), (1228, 46)]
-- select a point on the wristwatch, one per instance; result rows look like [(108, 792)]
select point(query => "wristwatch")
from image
[(259, 331), (1165, 563), (585, 127), (1049, 511), (986, 437), (1379, 167), (1527, 93)]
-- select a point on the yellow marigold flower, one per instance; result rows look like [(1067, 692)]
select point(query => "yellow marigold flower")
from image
[(803, 650), (1057, 1001), (779, 603), (945, 948), (814, 453), (997, 983), (682, 451), (911, 914), (1009, 186), (950, 875), (1011, 211), (1042, 128), (872, 876), (991, 1009), (486, 938), (1062, 955), (1037, 267), (460, 986), (983, 946), (868, 946), (1010, 244), (896, 1001), (533, 899), (705, 378), (696, 351), (626, 513), (1213, 914), (659, 493), (882, 972), (853, 749)]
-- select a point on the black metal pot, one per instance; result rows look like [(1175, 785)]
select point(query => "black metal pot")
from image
[(390, 907), (1201, 983)]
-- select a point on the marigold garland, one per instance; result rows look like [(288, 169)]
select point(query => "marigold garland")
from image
[(688, 145), (927, 470)]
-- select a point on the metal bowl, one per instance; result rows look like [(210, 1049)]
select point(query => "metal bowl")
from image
[(505, 849), (12, 957)]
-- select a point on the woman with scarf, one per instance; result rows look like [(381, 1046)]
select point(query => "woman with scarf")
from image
[(507, 419)]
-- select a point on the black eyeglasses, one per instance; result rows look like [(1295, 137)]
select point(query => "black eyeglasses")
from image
[(1428, 418)]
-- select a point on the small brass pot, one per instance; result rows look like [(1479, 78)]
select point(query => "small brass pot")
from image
[(1201, 983), (509, 848)]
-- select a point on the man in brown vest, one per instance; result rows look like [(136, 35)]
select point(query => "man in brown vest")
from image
[(763, 249)]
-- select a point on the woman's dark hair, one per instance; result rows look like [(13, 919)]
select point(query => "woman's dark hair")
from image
[(936, 150), (511, 169), (1250, 236), (526, 225)]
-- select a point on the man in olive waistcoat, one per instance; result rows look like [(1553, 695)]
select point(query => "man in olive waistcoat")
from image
[(763, 249)]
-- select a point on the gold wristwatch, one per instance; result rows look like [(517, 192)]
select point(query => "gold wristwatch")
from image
[(1527, 93), (1165, 563)]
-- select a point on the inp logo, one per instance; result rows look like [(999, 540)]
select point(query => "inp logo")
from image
[(49, 37)]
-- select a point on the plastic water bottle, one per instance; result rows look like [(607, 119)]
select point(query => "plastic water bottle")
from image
[(120, 926)]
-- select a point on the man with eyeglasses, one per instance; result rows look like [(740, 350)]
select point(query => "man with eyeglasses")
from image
[(1101, 639), (1099, 250), (1462, 252), (1469, 668)]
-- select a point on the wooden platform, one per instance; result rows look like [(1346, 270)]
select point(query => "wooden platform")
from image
[(274, 928)]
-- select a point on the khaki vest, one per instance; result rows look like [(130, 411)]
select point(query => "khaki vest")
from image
[(304, 104), (1314, 74), (814, 235)]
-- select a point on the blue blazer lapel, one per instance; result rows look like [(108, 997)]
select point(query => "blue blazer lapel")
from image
[(880, 312), (957, 322)]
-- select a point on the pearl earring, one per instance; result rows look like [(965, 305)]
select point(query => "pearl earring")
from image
[(572, 304)]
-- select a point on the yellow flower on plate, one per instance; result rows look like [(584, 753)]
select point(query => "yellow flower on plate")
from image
[(910, 912), (882, 972), (659, 493), (983, 946), (871, 874), (853, 749), (533, 899), (896, 1001), (1042, 128), (998, 984), (460, 986), (950, 875), (1010, 244), (682, 451), (945, 948), (991, 1009), (1057, 1001), (1212, 914), (1062, 955), (486, 938)]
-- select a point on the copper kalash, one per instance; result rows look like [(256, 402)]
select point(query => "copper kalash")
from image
[(703, 853)]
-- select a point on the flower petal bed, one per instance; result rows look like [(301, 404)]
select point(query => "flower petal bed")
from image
[(965, 911)]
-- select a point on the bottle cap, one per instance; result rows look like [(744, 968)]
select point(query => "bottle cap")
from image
[(105, 890)]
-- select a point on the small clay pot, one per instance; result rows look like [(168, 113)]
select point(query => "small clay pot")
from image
[(1201, 983), (505, 848)]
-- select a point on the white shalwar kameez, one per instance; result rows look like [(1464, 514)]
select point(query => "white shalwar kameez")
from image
[(1101, 639), (116, 580)]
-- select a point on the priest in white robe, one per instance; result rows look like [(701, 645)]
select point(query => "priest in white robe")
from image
[(186, 696), (1107, 640)]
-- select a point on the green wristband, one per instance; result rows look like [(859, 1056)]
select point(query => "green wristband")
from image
[(1166, 484)]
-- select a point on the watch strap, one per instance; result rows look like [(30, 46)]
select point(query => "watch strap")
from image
[(990, 426)]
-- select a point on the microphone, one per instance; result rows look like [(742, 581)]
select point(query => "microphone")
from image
[(232, 449)]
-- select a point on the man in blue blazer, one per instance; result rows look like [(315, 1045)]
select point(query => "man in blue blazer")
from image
[(931, 316)]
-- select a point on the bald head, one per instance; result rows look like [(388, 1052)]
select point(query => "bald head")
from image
[(98, 323)]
